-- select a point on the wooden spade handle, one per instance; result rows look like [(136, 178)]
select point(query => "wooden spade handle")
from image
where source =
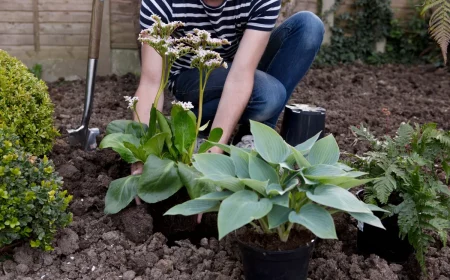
[(96, 28)]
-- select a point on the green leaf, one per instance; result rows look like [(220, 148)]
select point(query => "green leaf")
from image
[(195, 188), (446, 168), (324, 151), (116, 142), (214, 136), (300, 159), (268, 143), (136, 129), (306, 146), (367, 218), (159, 180), (193, 207), (165, 128), (282, 200), (338, 198), (120, 193), (276, 189), (348, 183), (152, 122), (322, 171), (155, 145), (214, 164), (262, 171), (241, 162), (240, 209), (120, 126), (203, 127), (259, 186), (184, 131), (137, 151), (375, 208), (218, 196), (225, 182), (316, 219), (278, 216)]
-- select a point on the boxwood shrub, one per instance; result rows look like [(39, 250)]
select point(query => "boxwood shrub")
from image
[(25, 106), (32, 205)]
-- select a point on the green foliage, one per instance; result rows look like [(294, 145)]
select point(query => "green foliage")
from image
[(407, 168), (439, 23), (277, 186), (36, 70), (32, 205), (25, 106), (355, 34)]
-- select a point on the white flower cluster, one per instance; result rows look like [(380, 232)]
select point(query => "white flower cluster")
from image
[(185, 105), (207, 59), (131, 101)]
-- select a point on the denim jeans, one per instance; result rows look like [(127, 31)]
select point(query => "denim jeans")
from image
[(289, 54)]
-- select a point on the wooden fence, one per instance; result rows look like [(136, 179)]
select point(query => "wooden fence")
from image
[(55, 33)]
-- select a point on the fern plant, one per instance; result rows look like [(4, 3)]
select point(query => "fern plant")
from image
[(439, 26), (407, 167)]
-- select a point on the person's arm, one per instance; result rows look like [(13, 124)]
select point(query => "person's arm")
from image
[(239, 84)]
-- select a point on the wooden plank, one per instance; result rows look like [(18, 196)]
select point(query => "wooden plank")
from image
[(123, 27), (124, 41), (66, 16), (47, 52), (36, 25), (15, 16), (64, 28), (16, 5), (16, 28), (64, 40), (124, 7), (16, 40), (65, 5)]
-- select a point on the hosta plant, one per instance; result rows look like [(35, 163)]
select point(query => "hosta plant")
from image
[(407, 167), (166, 144), (276, 186)]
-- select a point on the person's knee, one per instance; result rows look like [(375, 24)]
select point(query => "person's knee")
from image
[(269, 99), (311, 28)]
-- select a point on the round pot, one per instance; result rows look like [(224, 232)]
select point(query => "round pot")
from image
[(260, 264)]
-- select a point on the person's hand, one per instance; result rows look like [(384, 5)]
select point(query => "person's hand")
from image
[(136, 169)]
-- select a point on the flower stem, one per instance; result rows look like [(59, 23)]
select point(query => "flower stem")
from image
[(162, 83), (139, 120)]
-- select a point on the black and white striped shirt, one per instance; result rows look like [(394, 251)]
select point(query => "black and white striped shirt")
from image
[(227, 21)]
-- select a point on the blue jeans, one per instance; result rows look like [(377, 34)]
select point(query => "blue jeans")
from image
[(289, 54)]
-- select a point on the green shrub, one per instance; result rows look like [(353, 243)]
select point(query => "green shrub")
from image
[(25, 106), (32, 205)]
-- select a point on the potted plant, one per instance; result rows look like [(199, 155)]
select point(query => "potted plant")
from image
[(411, 169), (278, 190)]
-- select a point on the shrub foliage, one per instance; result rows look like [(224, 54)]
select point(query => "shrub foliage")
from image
[(25, 106)]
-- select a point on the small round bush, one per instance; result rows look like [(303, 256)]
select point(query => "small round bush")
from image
[(32, 205), (25, 106)]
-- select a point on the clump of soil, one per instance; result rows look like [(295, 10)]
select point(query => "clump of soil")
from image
[(97, 246), (297, 239)]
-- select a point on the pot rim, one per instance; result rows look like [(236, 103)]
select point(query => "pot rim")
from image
[(271, 252)]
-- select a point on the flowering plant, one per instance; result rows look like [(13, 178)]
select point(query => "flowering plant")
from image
[(166, 144)]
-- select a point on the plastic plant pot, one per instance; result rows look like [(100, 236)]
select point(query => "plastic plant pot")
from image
[(260, 264), (301, 122), (385, 243)]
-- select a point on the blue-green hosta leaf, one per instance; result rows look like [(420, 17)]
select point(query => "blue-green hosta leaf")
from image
[(347, 182), (218, 196), (193, 207), (322, 170), (375, 208), (300, 159), (316, 219), (240, 209), (155, 145), (184, 131), (159, 180), (259, 186), (119, 126), (367, 218), (324, 151), (241, 162), (356, 174), (306, 146), (189, 177), (343, 166), (338, 198), (116, 140), (262, 171), (277, 189), (225, 182), (214, 136), (282, 200), (214, 164), (268, 143), (278, 216), (120, 193)]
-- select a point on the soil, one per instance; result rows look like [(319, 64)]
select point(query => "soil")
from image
[(297, 239), (129, 246)]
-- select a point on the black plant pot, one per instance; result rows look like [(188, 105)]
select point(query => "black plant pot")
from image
[(301, 122), (260, 264), (385, 243)]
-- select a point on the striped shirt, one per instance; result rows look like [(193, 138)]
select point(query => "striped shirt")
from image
[(227, 21)]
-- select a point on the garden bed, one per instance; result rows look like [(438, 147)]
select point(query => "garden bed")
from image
[(96, 246)]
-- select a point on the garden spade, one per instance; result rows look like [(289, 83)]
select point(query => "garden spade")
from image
[(84, 135)]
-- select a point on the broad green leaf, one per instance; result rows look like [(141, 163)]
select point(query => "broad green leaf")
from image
[(120, 126), (259, 186), (164, 127), (214, 164), (152, 122), (375, 208), (324, 151), (282, 200), (268, 143), (316, 219), (241, 162), (306, 146), (225, 182), (184, 131), (299, 158), (138, 152), (240, 209), (193, 207), (356, 174), (137, 129), (195, 188), (262, 171), (343, 166), (278, 216), (218, 196), (209, 144), (367, 218), (155, 145), (214, 136), (277, 189), (159, 180), (120, 193), (350, 182), (322, 170), (116, 140), (338, 198)]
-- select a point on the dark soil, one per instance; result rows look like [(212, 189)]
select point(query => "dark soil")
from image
[(272, 242), (129, 246)]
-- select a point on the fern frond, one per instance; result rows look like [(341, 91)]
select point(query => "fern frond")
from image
[(404, 135), (440, 23), (384, 186)]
